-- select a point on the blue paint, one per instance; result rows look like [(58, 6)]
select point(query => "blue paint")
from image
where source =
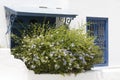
[(100, 24), (46, 14)]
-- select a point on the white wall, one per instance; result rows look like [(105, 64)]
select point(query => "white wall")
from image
[(102, 8), (11, 68), (36, 3), (3, 28), (102, 74)]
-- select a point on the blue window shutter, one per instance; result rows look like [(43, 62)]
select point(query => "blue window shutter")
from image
[(98, 28)]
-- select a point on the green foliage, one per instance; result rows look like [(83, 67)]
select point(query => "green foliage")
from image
[(56, 50)]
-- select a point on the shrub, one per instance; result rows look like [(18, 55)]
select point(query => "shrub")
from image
[(56, 50)]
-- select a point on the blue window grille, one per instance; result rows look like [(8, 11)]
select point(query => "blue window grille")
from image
[(98, 27)]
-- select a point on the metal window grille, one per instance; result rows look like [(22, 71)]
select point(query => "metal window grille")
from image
[(98, 27)]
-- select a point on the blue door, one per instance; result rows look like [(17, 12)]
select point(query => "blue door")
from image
[(98, 27)]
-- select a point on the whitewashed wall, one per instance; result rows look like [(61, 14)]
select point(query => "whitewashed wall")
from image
[(3, 28), (36, 3), (11, 68), (101, 8)]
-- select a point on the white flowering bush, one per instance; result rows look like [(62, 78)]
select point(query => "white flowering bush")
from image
[(56, 50)]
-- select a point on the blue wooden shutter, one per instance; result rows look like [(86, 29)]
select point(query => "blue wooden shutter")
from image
[(98, 27)]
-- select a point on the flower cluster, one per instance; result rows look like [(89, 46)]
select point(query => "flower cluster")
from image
[(57, 50)]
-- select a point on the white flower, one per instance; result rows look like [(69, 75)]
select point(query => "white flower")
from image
[(22, 42), (65, 53), (43, 61), (46, 57), (37, 37), (57, 32), (24, 60), (72, 44), (71, 54), (57, 66), (32, 66), (24, 45), (59, 56), (70, 64), (33, 46), (51, 35), (81, 58), (30, 53), (68, 48), (28, 49), (62, 40), (79, 33), (91, 56), (77, 66), (34, 36), (71, 60), (87, 55), (53, 52), (39, 46), (23, 57), (43, 53), (31, 41), (54, 60), (60, 50), (29, 62), (41, 36), (64, 63), (24, 37), (35, 59), (51, 45), (76, 40), (51, 55), (84, 61), (83, 53), (57, 43), (41, 43), (69, 68)]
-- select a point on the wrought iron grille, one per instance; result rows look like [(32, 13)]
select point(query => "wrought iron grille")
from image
[(98, 28)]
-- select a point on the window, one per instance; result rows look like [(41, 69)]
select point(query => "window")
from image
[(22, 22), (33, 21), (33, 15), (98, 27)]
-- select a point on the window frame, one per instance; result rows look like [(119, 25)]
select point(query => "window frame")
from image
[(106, 38)]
